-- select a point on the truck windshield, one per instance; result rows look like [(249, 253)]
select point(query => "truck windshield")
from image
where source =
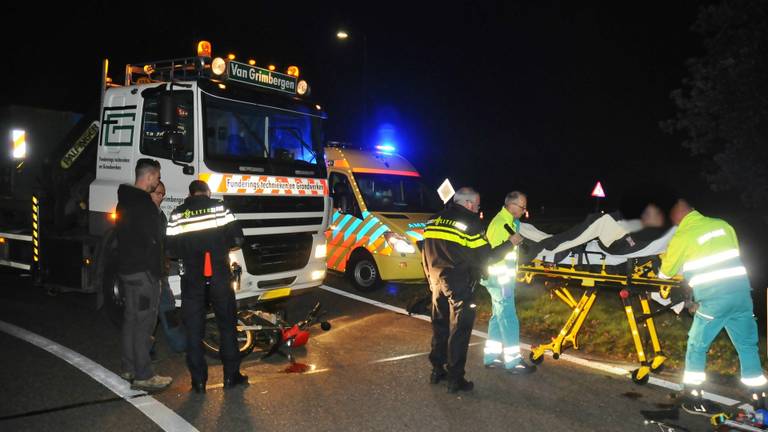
[(254, 134), (396, 193)]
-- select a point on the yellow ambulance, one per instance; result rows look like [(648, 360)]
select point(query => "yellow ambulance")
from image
[(380, 208)]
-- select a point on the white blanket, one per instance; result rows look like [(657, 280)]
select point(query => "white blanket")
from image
[(655, 247)]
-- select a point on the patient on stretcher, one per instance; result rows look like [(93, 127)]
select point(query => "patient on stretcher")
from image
[(606, 234)]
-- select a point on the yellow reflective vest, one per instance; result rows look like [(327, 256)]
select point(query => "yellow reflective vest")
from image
[(505, 270), (706, 251)]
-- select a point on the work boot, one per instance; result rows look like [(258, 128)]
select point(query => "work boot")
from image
[(128, 376), (521, 368), (437, 375), (455, 386), (235, 380), (694, 403), (157, 382), (198, 387)]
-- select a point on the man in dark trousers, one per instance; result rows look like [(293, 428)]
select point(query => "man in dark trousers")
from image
[(169, 319), (456, 254), (139, 270), (202, 229)]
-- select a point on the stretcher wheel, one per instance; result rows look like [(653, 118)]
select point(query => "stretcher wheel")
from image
[(640, 381), (535, 360), (658, 369), (555, 356)]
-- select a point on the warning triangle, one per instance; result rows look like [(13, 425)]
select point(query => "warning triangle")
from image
[(598, 191)]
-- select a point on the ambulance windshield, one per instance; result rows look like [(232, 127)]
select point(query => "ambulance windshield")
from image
[(396, 193)]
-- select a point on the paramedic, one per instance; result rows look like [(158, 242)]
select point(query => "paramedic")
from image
[(503, 327), (455, 255), (201, 232), (706, 251)]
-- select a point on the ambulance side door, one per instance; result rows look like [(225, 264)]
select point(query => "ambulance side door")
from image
[(346, 214)]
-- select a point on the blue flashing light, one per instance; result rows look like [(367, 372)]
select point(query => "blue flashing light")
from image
[(386, 148), (386, 138)]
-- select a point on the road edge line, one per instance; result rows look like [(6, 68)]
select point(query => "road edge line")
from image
[(155, 410)]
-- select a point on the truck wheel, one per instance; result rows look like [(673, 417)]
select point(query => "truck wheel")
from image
[(113, 299), (363, 272)]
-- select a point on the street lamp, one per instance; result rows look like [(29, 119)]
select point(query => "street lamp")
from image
[(343, 35)]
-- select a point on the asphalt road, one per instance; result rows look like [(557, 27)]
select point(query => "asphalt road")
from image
[(368, 373)]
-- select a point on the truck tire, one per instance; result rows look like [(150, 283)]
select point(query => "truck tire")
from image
[(111, 291), (363, 272)]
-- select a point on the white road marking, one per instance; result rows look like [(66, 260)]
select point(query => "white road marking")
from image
[(407, 356), (163, 416), (615, 370)]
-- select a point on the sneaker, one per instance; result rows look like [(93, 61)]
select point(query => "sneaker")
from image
[(157, 382), (495, 364), (461, 384), (521, 368), (699, 406), (128, 376), (758, 400), (437, 375)]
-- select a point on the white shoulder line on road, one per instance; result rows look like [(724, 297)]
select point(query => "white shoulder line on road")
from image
[(567, 357), (163, 416)]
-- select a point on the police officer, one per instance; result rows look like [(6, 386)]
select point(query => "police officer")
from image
[(706, 251), (199, 228), (454, 257), (502, 348)]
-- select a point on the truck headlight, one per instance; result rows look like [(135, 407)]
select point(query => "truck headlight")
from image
[(321, 251), (399, 242)]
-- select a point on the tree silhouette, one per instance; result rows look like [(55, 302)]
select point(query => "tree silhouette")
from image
[(722, 106)]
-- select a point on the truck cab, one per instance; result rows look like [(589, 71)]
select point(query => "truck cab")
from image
[(250, 133), (381, 206)]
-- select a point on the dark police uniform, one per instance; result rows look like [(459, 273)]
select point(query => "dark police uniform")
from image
[(201, 225), (455, 256)]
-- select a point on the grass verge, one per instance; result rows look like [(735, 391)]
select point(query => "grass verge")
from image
[(606, 334)]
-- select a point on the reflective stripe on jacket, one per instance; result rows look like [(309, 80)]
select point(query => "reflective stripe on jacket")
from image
[(705, 250)]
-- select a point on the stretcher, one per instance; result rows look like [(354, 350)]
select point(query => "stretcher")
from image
[(634, 277)]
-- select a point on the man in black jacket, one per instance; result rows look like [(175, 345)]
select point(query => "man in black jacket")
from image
[(139, 252), (455, 256), (203, 226)]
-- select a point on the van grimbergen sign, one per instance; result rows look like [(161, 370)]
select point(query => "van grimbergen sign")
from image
[(257, 76)]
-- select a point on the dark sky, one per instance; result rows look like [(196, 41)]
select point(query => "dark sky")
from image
[(543, 96)]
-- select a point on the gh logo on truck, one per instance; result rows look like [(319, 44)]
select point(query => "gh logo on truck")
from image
[(117, 125)]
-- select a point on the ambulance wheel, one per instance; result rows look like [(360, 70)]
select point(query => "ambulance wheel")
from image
[(363, 272), (113, 300), (640, 381), (536, 360)]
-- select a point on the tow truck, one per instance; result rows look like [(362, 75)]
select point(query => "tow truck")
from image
[(381, 206), (250, 132)]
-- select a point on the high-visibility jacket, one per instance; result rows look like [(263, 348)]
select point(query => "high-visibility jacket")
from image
[(706, 251), (201, 225), (503, 271), (456, 252)]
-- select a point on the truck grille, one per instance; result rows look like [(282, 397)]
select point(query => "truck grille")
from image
[(265, 254), (273, 204)]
